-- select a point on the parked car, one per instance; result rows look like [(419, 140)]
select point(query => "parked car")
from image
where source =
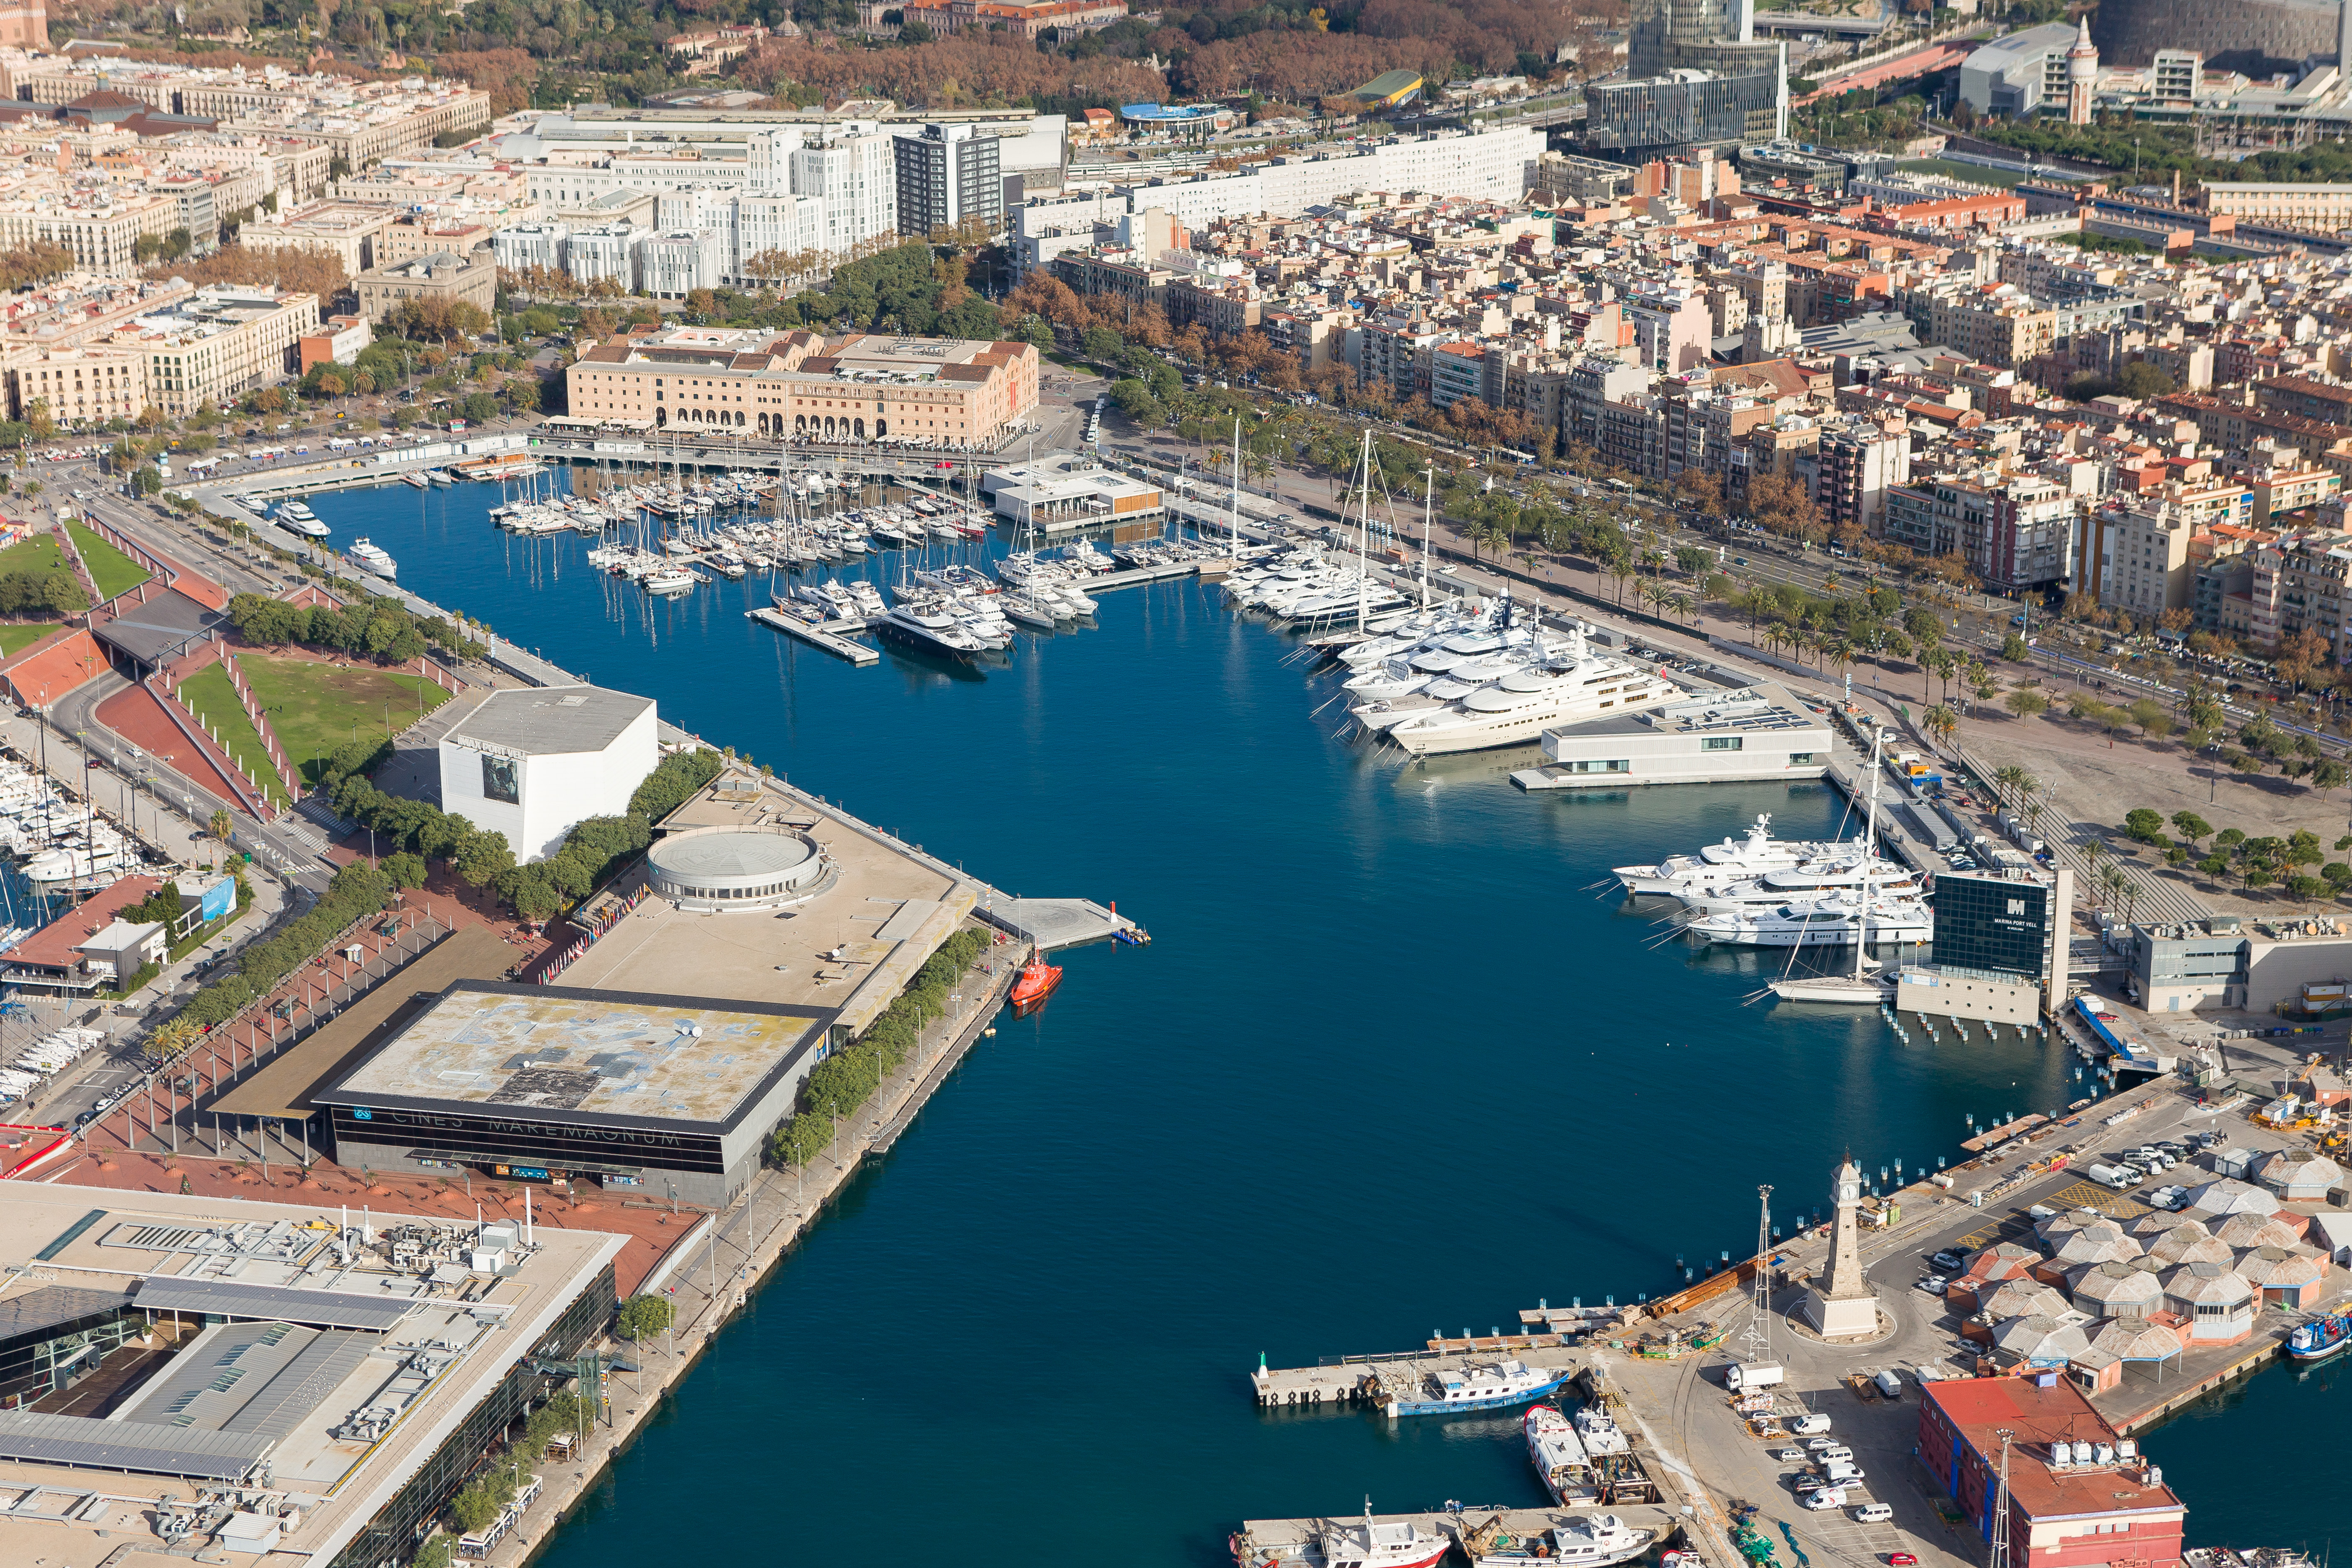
[(1948, 1261), (1790, 1456), (1935, 1284)]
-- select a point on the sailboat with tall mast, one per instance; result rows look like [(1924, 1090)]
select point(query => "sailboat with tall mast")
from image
[(1861, 987)]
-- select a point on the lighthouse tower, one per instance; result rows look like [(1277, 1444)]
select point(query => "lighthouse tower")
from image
[(2082, 76)]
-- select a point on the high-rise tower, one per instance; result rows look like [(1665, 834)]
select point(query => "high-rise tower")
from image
[(1843, 1306), (2082, 75)]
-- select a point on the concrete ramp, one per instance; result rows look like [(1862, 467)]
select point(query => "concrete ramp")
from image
[(1059, 922)]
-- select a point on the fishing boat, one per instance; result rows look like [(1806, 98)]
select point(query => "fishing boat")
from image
[(1488, 1385), (1036, 982), (372, 558), (1558, 1456), (1396, 1544), (1587, 1540), (1601, 1435), (2320, 1338)]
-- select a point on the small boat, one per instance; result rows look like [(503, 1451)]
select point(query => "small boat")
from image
[(1133, 936), (2320, 1338), (296, 517), (1558, 1454), (1400, 1544), (419, 480), (1587, 1541), (1481, 1385), (372, 558), (438, 478), (1036, 982)]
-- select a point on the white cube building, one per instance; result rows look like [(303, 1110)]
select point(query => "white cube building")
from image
[(532, 764)]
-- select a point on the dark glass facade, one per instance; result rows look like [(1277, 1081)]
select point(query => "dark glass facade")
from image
[(512, 1141), (1994, 926), (392, 1536)]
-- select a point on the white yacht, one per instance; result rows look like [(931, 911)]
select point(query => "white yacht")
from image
[(669, 579), (372, 558), (1831, 921), (929, 631), (1812, 879), (296, 517), (1750, 855), (1516, 710)]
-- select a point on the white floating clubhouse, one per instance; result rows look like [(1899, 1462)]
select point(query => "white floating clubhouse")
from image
[(1719, 737)]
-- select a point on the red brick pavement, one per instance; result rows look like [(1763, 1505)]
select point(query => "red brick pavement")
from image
[(138, 716)]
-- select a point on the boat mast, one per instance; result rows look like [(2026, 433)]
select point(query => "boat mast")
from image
[(1428, 496), (1869, 855), (1237, 487), (1364, 530)]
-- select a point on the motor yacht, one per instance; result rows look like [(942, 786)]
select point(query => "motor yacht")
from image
[(1750, 855), (372, 558), (1811, 879), (929, 631), (1517, 709), (1838, 920)]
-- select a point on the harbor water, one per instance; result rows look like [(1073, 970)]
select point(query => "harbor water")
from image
[(1391, 1067)]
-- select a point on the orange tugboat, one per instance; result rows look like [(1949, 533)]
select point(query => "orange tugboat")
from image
[(1037, 980)]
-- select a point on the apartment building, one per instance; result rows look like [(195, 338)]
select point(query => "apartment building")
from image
[(2134, 555), (215, 344), (350, 232), (2297, 584), (102, 227), (80, 386), (1856, 463)]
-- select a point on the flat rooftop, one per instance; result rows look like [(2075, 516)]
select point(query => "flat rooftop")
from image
[(590, 1055), (400, 1321), (850, 949), (549, 720)]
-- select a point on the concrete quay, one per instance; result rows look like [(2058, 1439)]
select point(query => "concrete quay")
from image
[(714, 1269), (1373, 1379), (1279, 1543)]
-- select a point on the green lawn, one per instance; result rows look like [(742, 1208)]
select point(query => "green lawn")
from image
[(316, 709), (113, 571), (17, 639), (211, 698), (40, 556)]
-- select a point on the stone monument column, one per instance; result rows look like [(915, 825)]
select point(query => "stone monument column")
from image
[(1843, 1307)]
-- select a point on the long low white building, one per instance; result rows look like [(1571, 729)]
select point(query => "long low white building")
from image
[(1719, 737)]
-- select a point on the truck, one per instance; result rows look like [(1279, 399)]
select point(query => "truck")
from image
[(1741, 1376)]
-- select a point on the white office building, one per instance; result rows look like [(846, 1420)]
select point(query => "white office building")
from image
[(535, 761), (1721, 737)]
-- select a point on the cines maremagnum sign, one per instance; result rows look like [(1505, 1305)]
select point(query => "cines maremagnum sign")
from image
[(645, 1138)]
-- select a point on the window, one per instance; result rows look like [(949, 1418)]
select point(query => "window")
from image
[(1620, 765), (499, 781), (1722, 743), (1801, 759)]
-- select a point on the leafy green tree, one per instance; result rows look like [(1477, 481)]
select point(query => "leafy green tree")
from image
[(483, 856), (2191, 825), (2144, 826), (643, 1317)]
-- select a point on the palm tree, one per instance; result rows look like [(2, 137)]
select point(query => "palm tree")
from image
[(1940, 721), (2006, 780), (1841, 648), (1679, 605)]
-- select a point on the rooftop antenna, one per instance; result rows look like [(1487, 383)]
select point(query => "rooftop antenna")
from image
[(1999, 1558)]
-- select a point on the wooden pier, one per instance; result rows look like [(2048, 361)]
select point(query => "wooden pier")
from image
[(1375, 1379), (825, 639)]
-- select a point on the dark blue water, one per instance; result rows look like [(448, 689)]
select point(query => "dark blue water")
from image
[(1391, 1067)]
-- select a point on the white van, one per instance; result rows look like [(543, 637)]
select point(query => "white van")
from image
[(1741, 1376), (1873, 1513), (1805, 1425), (1889, 1385), (1833, 1454), (1824, 1499), (1841, 1473)]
